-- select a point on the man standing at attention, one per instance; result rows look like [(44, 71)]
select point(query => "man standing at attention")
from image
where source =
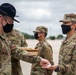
[(45, 51), (67, 54)]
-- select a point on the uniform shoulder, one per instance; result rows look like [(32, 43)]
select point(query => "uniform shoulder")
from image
[(46, 44), (18, 32)]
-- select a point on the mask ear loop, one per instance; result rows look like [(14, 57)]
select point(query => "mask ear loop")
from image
[(73, 22), (40, 35), (1, 23), (5, 22)]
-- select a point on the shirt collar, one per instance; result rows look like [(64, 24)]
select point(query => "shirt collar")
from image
[(67, 41)]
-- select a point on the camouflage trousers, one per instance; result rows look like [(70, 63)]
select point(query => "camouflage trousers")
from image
[(37, 72)]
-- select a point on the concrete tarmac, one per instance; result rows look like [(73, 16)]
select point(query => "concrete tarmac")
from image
[(26, 67)]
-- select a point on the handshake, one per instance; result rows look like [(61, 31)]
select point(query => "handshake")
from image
[(47, 65)]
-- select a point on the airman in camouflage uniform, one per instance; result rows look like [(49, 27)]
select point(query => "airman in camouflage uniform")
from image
[(45, 51), (67, 54), (5, 57), (14, 36)]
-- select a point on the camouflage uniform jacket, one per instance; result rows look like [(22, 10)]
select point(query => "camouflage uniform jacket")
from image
[(24, 55), (67, 57), (17, 39), (45, 51), (5, 57)]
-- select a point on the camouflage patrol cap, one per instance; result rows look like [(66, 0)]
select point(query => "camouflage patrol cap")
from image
[(69, 17), (41, 29)]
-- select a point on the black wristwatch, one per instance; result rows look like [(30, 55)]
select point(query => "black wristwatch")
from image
[(57, 69)]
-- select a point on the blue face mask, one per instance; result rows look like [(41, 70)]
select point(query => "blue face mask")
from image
[(8, 28), (65, 28)]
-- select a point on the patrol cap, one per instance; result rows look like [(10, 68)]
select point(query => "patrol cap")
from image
[(69, 17), (41, 29)]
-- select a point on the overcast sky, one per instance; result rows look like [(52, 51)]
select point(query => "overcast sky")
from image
[(33, 13)]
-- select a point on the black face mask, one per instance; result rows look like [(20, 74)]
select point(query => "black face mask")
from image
[(65, 28), (8, 28), (36, 36)]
